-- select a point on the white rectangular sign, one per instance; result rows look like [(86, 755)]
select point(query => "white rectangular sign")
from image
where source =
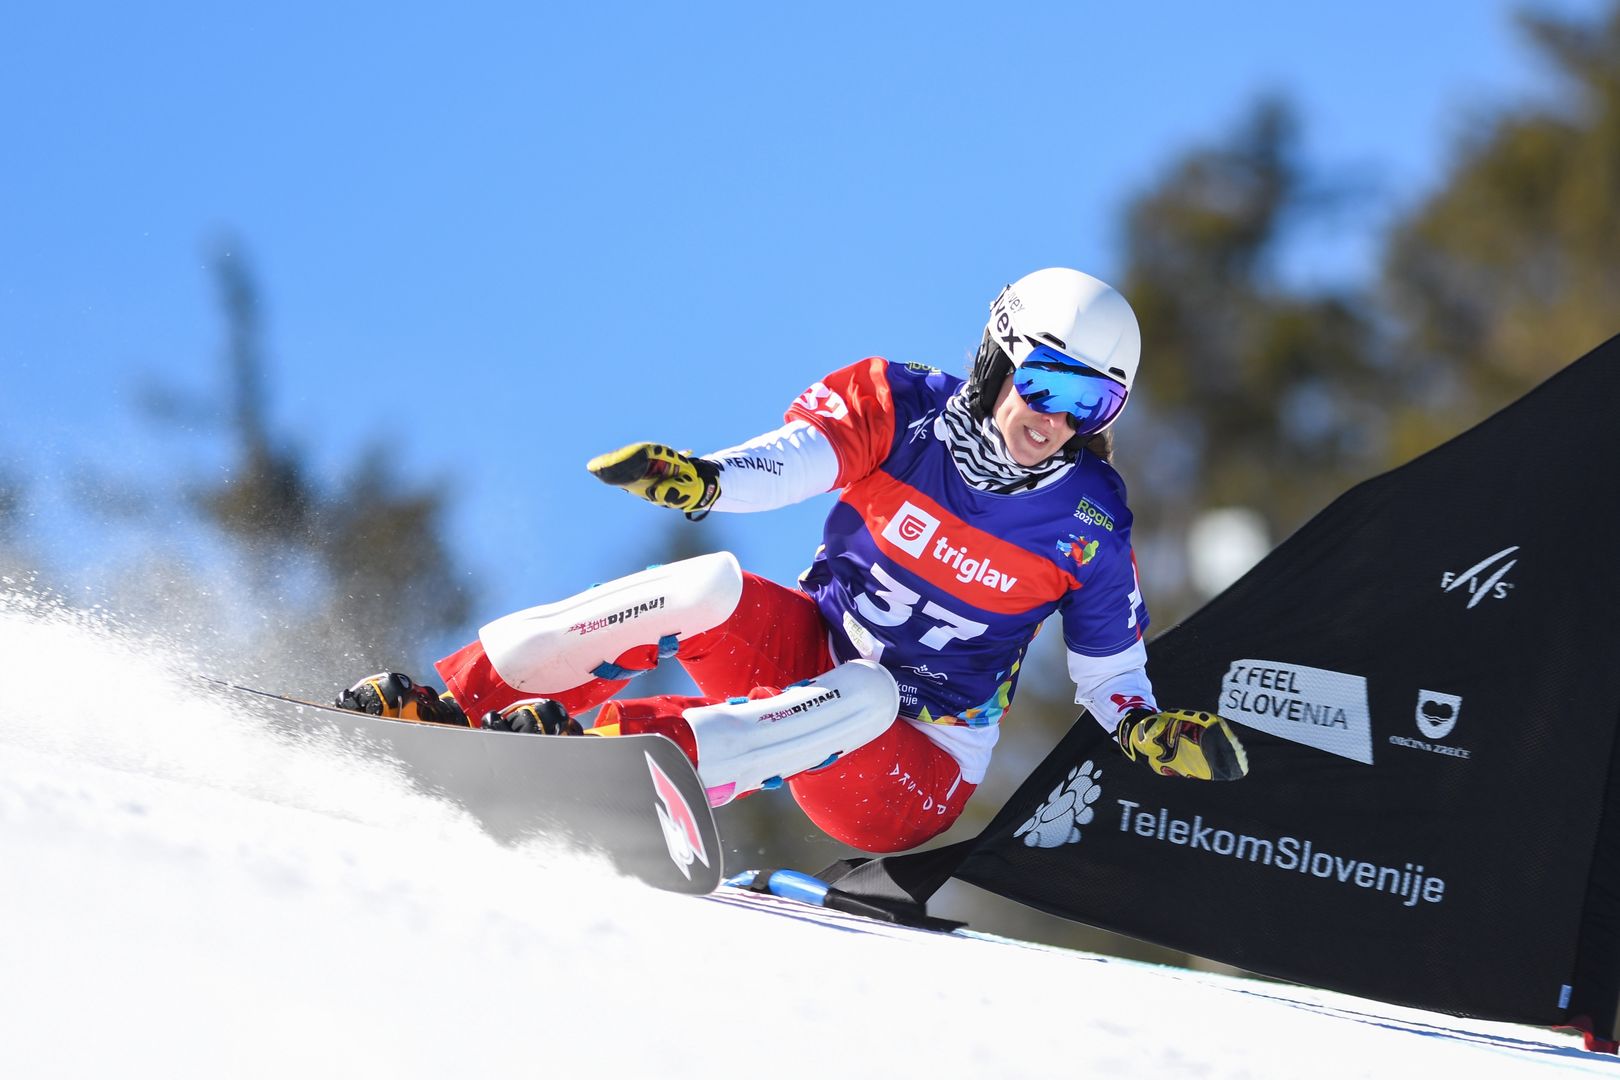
[(1311, 706)]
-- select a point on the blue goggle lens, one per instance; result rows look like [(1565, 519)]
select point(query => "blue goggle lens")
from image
[(1050, 382)]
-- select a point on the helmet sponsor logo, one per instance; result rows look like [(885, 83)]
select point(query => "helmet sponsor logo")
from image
[(1484, 578), (910, 529), (681, 833), (1001, 323), (1325, 710)]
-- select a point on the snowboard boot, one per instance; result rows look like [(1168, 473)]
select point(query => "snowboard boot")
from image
[(396, 696), (536, 716)]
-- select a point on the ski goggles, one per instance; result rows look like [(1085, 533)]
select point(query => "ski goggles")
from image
[(1050, 382)]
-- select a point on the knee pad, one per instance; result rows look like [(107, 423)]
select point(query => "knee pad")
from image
[(746, 744), (556, 647)]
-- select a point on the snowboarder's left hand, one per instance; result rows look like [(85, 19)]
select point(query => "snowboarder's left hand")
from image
[(1175, 742), (661, 475)]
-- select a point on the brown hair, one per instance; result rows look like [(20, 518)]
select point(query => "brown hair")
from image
[(1101, 444)]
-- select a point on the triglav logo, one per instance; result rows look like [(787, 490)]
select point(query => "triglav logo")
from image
[(1484, 578), (910, 529), (1310, 706), (1058, 820)]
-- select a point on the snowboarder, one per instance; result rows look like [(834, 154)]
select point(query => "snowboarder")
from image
[(970, 511)]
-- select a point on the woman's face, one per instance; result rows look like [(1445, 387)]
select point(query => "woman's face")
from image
[(1031, 436)]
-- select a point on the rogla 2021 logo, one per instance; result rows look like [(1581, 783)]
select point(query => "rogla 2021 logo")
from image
[(1311, 706)]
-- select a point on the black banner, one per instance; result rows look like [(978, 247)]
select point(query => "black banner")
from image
[(1427, 678)]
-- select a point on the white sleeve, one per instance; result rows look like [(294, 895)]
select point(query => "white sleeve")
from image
[(778, 468), (1111, 686)]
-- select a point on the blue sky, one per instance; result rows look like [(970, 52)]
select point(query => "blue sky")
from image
[(503, 239)]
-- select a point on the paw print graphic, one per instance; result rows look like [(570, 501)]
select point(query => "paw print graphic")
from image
[(1058, 820)]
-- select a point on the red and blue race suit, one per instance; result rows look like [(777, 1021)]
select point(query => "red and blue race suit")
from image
[(946, 584)]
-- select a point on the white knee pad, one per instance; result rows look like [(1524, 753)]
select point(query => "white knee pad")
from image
[(555, 647), (743, 745)]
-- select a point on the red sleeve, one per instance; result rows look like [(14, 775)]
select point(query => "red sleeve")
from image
[(854, 408)]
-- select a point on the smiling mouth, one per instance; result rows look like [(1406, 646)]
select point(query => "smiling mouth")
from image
[(1036, 437)]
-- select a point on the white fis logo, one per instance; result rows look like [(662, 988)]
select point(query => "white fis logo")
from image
[(1493, 585)]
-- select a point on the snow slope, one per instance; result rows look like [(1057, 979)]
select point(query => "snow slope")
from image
[(184, 894)]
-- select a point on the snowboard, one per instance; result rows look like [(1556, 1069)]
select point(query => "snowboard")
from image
[(634, 798)]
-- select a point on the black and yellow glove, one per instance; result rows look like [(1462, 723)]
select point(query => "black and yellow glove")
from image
[(660, 475), (1175, 742)]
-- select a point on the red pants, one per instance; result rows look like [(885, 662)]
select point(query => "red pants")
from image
[(895, 792)]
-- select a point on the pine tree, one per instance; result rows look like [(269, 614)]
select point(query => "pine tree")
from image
[(1511, 268)]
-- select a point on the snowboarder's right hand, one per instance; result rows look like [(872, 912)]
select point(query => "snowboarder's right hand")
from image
[(1176, 742), (660, 475)]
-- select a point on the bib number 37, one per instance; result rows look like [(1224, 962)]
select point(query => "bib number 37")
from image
[(889, 603)]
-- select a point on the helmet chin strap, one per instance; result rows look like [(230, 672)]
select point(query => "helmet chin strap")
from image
[(991, 366)]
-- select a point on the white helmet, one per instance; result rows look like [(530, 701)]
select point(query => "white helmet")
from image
[(1084, 321)]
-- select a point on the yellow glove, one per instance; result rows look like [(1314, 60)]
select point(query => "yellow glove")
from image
[(660, 475), (1176, 742)]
